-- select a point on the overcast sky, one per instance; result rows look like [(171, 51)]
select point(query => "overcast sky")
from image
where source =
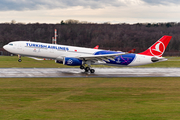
[(97, 11)]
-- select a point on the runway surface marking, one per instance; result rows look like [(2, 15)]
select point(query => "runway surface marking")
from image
[(99, 72)]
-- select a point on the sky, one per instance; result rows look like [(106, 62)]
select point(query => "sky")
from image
[(95, 11)]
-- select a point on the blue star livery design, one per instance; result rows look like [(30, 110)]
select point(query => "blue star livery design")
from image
[(85, 57)]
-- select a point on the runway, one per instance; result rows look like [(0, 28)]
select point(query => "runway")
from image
[(99, 72)]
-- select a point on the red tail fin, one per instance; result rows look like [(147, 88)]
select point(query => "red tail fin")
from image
[(158, 48), (96, 47)]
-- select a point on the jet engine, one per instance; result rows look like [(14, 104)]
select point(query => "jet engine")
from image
[(72, 61)]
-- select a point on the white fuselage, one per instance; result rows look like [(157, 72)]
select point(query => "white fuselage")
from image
[(59, 52), (45, 50)]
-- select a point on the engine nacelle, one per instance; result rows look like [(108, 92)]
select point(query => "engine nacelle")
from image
[(72, 61)]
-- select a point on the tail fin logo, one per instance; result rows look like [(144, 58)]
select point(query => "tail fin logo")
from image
[(158, 49)]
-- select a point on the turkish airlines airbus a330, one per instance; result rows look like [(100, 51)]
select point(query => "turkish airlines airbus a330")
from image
[(85, 57)]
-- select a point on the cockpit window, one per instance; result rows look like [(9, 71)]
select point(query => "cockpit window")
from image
[(11, 44)]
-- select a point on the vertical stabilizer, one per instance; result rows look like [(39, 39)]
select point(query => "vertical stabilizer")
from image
[(158, 48)]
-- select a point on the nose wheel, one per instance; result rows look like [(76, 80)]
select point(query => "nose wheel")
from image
[(19, 60)]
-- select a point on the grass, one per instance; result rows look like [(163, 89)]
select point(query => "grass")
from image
[(89, 98), (12, 61), (8, 62)]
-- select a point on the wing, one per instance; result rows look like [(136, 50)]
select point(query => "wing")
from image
[(105, 57)]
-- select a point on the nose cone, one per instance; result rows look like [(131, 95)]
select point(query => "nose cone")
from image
[(5, 47)]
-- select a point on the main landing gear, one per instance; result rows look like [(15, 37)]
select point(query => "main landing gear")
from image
[(87, 68)]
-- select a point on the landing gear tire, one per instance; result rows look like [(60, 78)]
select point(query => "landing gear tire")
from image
[(19, 60), (81, 67), (87, 69), (92, 70)]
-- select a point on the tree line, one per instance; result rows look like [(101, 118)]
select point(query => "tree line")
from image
[(117, 37)]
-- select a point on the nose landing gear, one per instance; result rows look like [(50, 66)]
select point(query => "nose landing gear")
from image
[(19, 60)]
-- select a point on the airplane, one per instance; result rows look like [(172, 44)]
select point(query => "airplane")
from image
[(85, 57)]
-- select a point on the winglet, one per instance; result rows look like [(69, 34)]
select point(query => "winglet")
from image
[(158, 48), (96, 47), (132, 51)]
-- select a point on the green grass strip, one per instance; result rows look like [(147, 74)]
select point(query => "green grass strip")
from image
[(89, 98)]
